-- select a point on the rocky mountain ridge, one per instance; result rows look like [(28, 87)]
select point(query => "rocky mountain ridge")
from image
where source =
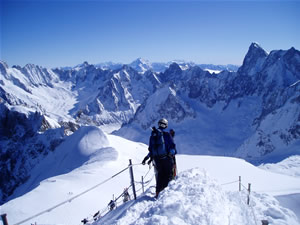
[(266, 84), (253, 113)]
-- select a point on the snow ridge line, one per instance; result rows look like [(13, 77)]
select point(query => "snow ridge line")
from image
[(76, 196)]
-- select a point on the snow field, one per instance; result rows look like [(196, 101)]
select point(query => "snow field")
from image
[(290, 166), (198, 196), (227, 169), (57, 100), (195, 198), (84, 160), (267, 207)]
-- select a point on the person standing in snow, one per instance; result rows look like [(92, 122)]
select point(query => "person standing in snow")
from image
[(161, 151)]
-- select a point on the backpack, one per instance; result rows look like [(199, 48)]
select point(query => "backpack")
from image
[(157, 143)]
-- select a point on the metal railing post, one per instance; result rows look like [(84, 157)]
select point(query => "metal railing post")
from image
[(4, 219), (132, 178), (249, 189), (240, 183), (143, 184)]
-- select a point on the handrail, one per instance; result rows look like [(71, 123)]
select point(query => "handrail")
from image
[(70, 199)]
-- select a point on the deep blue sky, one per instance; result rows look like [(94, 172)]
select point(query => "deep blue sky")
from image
[(66, 33)]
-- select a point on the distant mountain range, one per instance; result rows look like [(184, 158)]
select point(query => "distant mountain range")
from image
[(252, 111), (142, 65)]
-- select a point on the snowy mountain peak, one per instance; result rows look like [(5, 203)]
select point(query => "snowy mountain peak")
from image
[(85, 63), (255, 108), (81, 66), (255, 50), (141, 65), (255, 45), (174, 68), (253, 60), (282, 68), (172, 73), (141, 60), (292, 59), (30, 66)]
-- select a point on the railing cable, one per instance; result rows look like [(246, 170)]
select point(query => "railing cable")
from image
[(70, 199)]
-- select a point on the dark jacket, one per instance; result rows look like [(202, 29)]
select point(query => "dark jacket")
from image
[(167, 139)]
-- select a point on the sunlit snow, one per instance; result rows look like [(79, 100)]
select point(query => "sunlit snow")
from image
[(205, 192)]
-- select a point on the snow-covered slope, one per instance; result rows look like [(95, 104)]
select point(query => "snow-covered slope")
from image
[(34, 88), (278, 125), (255, 111), (85, 159), (34, 119), (196, 198), (25, 140), (289, 166), (252, 113), (78, 175)]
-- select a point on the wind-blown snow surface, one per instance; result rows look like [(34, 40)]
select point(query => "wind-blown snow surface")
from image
[(289, 166), (202, 194), (86, 158), (195, 198)]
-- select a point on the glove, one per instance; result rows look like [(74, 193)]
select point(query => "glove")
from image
[(172, 152), (144, 160), (150, 160)]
